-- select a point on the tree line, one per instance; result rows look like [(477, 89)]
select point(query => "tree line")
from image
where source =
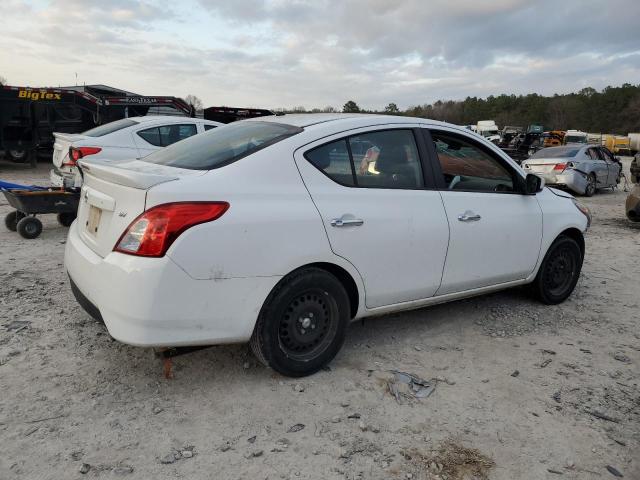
[(611, 110)]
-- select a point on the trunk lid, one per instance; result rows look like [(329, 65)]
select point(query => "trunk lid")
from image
[(543, 165), (61, 146), (113, 195)]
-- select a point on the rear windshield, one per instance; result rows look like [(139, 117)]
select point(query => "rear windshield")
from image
[(556, 152), (110, 127), (223, 145)]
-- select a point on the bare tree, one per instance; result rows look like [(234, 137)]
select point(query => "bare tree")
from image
[(195, 101)]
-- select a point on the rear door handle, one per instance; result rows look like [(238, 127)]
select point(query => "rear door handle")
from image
[(469, 216), (346, 222)]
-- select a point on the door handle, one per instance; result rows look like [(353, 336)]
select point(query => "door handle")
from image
[(469, 216), (346, 222)]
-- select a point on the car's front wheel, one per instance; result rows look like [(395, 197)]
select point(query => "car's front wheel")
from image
[(559, 272), (302, 325)]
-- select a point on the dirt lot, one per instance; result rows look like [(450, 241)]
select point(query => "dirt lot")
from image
[(537, 391)]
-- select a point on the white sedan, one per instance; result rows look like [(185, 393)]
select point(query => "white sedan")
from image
[(125, 139), (281, 230)]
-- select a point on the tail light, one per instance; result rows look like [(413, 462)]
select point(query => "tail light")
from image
[(559, 167), (153, 232), (76, 153)]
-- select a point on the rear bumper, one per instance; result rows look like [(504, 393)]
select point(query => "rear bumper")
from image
[(571, 179), (153, 302)]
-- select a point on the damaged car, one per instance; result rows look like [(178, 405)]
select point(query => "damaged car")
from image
[(268, 231), (581, 169)]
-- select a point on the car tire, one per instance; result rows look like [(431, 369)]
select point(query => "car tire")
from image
[(559, 271), (29, 227), (591, 187), (17, 156), (66, 219), (11, 220), (301, 327)]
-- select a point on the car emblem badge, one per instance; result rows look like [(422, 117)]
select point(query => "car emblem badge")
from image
[(122, 214)]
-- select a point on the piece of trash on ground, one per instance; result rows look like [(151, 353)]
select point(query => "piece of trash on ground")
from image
[(409, 386), (17, 325)]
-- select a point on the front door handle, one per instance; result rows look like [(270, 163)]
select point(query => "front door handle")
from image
[(469, 216), (346, 222)]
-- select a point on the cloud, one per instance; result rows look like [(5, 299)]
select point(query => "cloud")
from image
[(324, 52)]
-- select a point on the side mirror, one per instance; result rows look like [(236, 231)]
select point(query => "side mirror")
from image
[(533, 184)]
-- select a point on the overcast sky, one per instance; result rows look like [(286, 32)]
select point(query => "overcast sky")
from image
[(322, 52)]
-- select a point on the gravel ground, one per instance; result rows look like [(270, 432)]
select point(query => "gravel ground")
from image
[(522, 390)]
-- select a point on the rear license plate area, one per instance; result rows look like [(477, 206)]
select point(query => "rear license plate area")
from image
[(93, 220)]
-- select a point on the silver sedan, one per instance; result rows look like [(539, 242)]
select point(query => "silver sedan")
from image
[(582, 169)]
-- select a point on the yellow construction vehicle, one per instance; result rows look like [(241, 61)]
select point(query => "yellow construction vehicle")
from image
[(553, 138)]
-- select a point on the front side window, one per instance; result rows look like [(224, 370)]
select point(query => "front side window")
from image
[(608, 156), (467, 166), (383, 159)]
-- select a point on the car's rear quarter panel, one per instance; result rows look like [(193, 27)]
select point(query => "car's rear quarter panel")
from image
[(271, 228)]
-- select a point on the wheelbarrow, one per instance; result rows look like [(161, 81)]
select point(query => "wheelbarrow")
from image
[(30, 201)]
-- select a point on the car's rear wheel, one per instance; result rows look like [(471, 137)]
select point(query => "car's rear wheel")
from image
[(302, 325), (559, 272), (591, 187)]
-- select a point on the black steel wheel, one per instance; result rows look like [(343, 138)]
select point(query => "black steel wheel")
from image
[(559, 272), (302, 325), (29, 227), (591, 188), (11, 220), (66, 219)]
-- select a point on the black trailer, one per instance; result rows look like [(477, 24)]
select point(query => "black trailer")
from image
[(29, 116), (231, 114)]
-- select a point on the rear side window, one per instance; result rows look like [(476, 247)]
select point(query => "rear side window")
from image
[(110, 127), (208, 127), (383, 159), (166, 135), (466, 166), (222, 146), (333, 159)]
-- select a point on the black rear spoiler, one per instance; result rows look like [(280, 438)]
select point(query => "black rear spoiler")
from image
[(233, 114)]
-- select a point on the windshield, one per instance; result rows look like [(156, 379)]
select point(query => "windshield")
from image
[(575, 139), (110, 127), (222, 146), (556, 152)]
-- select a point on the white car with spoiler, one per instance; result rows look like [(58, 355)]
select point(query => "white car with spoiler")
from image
[(279, 231), (125, 139)]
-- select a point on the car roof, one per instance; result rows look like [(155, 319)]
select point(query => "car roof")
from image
[(171, 119), (357, 119)]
